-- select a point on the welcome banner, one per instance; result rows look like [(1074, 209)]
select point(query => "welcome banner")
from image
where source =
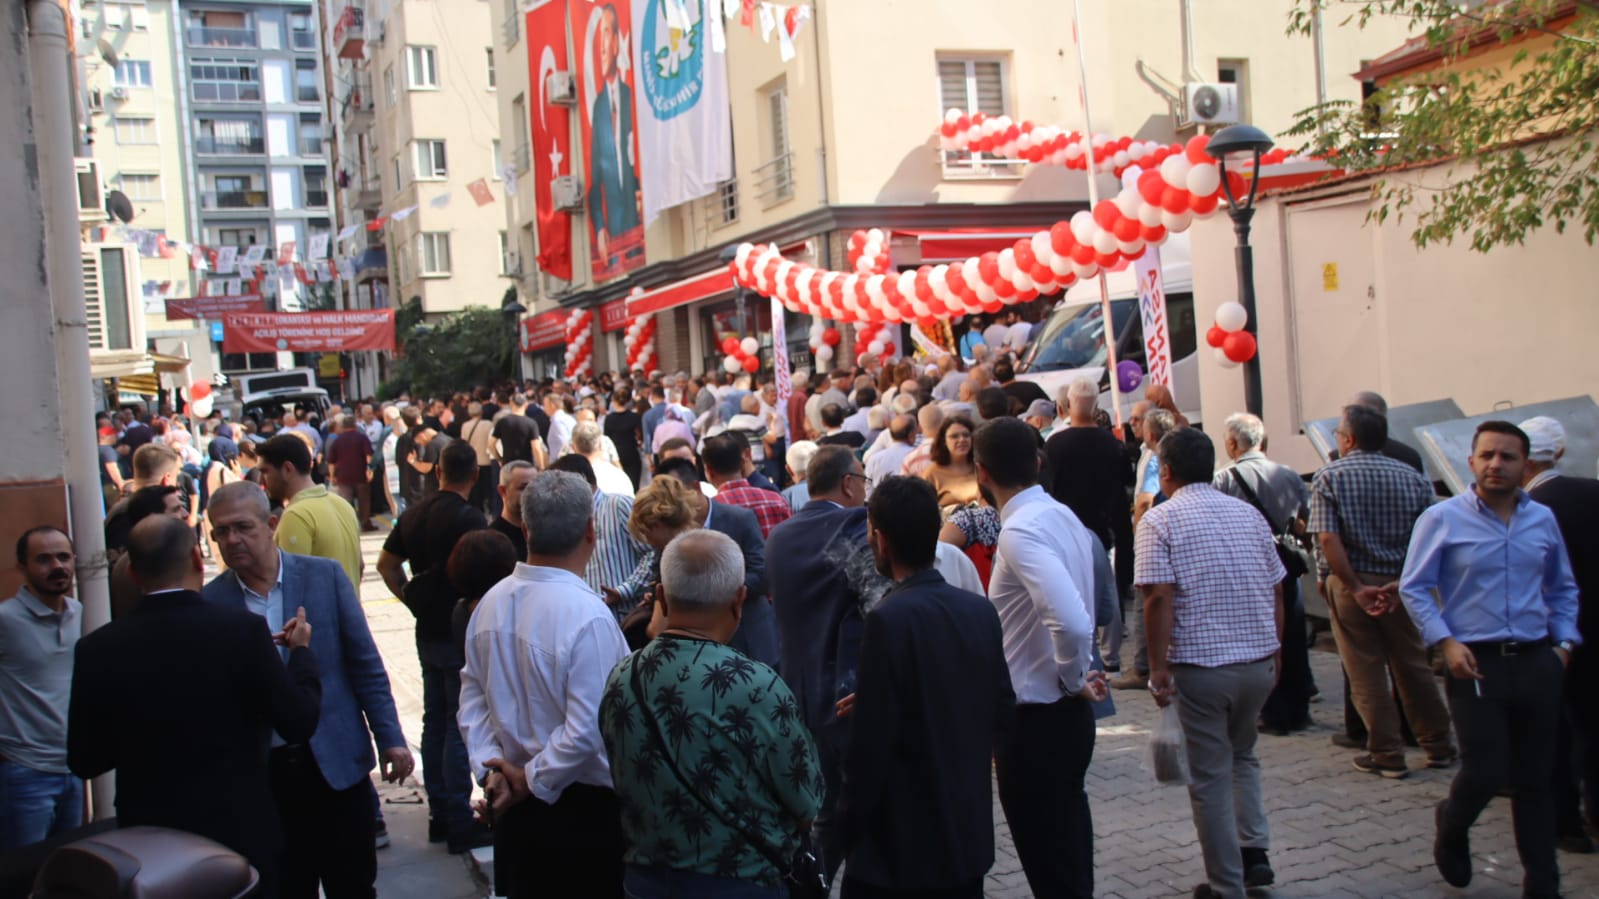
[(602, 38), (213, 307), (551, 124), (308, 332), (685, 124)]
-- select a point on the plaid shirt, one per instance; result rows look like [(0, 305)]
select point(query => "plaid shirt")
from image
[(1220, 557), (1371, 502), (770, 508)]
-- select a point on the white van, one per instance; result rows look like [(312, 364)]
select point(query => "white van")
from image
[(269, 394), (1071, 341)]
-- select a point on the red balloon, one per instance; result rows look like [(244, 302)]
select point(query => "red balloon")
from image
[(1107, 260), (1205, 205), (1043, 274), (831, 337), (1025, 259), (1237, 184), (883, 262), (1215, 336), (752, 364), (1126, 229), (1174, 200), (1082, 254), (1061, 240), (1239, 346), (947, 129), (1106, 213), (1151, 186), (1154, 234), (1196, 149), (992, 308), (988, 268), (857, 240), (730, 346), (1004, 289)]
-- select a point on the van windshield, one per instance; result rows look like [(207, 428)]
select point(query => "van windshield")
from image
[(1074, 337)]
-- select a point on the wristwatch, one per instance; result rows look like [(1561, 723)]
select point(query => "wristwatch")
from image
[(1567, 645)]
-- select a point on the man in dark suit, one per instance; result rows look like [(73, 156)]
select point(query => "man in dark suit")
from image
[(614, 196), (1575, 502), (821, 572), (932, 693), (757, 630), (181, 698), (322, 785)]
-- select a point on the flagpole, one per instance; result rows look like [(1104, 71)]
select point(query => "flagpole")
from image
[(1093, 201)]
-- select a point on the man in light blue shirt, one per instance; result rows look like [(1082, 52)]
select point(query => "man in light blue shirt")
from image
[(1487, 580)]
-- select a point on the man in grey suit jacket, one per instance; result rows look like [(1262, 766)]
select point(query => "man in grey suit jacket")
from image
[(321, 786)]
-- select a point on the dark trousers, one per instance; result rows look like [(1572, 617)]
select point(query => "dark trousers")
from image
[(484, 496), (1040, 766), (446, 772), (360, 497), (829, 836), (1506, 739), (571, 848), (1577, 752), (1288, 706), (855, 889), (327, 833)]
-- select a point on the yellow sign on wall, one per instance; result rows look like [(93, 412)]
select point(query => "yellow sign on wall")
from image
[(1329, 276), (328, 365)]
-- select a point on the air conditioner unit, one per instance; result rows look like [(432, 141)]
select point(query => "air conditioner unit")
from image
[(1208, 104), (119, 93), (567, 193), (96, 99), (561, 88)]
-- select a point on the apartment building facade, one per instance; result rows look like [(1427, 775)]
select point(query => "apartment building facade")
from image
[(844, 134)]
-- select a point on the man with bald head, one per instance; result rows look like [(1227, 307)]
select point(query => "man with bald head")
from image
[(181, 698), (928, 420), (886, 463)]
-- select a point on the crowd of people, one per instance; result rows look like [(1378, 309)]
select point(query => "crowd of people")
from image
[(706, 636)]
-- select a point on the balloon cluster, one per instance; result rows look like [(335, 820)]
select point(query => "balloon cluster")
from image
[(868, 252), (1233, 345), (742, 355), (823, 340), (639, 341), (872, 337), (201, 400), (579, 342)]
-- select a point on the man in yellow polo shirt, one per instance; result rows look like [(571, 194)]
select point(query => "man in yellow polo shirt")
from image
[(314, 521)]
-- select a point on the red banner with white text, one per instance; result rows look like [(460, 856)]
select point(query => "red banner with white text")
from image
[(308, 332), (213, 308), (542, 331), (551, 127)]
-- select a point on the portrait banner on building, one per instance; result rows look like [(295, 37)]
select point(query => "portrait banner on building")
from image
[(602, 40), (213, 307), (551, 124), (685, 125), (308, 332)]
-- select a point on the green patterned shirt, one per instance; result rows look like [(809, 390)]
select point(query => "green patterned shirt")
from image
[(734, 732)]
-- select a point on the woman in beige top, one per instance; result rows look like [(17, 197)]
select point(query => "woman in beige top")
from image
[(953, 473)]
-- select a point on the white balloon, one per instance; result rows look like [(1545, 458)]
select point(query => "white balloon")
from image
[(1022, 280), (907, 284), (1073, 149), (1128, 202), (732, 364), (816, 330), (1231, 317), (1203, 180), (1007, 263), (875, 348), (1085, 270), (1121, 159), (953, 115), (938, 279), (824, 353), (1222, 360), (875, 292), (741, 257), (1060, 265), (1083, 226), (1149, 214), (1104, 242), (1131, 249), (1137, 151), (751, 346), (875, 235), (864, 264), (1175, 171), (1043, 250), (1176, 221), (921, 309)]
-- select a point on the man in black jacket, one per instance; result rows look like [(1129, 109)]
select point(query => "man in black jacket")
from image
[(932, 693), (181, 698)]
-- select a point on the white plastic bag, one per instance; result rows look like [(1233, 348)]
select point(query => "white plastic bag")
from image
[(1168, 754)]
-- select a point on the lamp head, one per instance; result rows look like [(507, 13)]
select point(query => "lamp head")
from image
[(1237, 140), (514, 309), (729, 253)]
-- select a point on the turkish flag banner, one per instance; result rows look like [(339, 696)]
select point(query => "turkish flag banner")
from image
[(551, 124), (480, 192), (308, 332), (213, 308)]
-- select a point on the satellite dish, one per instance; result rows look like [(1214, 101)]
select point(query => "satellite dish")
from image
[(118, 206), (107, 52)]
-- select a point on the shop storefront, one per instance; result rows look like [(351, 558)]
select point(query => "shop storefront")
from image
[(544, 344)]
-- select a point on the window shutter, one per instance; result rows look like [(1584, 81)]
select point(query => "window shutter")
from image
[(93, 298), (952, 85), (990, 88)]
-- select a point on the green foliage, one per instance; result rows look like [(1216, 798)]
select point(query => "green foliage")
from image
[(459, 351), (1519, 141)]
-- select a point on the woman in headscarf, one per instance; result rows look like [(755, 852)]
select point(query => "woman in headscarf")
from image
[(222, 468)]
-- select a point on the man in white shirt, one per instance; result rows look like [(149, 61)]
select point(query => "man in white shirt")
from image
[(886, 462), (538, 650), (559, 408), (588, 442), (1043, 587)]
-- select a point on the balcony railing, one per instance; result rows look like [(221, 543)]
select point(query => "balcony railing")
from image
[(511, 28), (227, 91), (316, 198), (304, 40), (206, 36), (349, 33), (356, 109), (234, 199), (774, 179), (220, 147), (307, 93)]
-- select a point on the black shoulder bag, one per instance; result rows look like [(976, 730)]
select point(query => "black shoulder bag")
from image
[(802, 874), (1293, 554)]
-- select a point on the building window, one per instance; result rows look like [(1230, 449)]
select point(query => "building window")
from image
[(399, 175), (221, 28), (145, 187), (133, 73), (524, 149), (316, 188), (228, 136), (974, 84), (430, 165), (310, 134), (774, 178), (494, 159), (135, 130), (488, 52), (389, 89), (301, 32), (236, 237), (305, 81), (433, 252), (1236, 71), (226, 80), (507, 264), (422, 68)]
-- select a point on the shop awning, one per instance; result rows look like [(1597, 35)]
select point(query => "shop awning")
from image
[(144, 385), (959, 244), (680, 293)]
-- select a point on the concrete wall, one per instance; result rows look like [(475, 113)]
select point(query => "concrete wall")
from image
[(1512, 327)]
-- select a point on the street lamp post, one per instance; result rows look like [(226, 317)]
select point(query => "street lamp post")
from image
[(513, 312), (1237, 141)]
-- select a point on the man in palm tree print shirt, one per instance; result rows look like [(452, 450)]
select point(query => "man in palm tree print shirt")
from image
[(714, 770)]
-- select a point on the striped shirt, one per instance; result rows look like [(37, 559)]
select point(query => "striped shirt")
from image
[(616, 551), (1371, 502)]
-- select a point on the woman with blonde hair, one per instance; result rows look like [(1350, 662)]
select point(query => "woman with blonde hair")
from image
[(662, 510)]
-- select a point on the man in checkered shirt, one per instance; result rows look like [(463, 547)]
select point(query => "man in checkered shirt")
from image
[(1363, 506), (724, 456), (1213, 616)]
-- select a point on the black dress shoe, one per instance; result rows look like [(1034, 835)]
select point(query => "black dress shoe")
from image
[(1451, 855), (438, 832), (1203, 891), (1257, 870)]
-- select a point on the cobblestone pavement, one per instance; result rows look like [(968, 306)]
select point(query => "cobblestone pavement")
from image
[(1335, 832)]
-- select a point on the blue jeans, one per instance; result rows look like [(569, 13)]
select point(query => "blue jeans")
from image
[(640, 882), (446, 772), (36, 805)]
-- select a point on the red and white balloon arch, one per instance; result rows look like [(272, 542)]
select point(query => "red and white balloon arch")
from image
[(1181, 182)]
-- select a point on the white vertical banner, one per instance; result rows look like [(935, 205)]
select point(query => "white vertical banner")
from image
[(1152, 311), (780, 354), (685, 126), (225, 259)]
